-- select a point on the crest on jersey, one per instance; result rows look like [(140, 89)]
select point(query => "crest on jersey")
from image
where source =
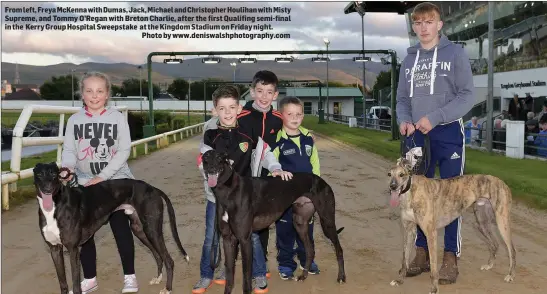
[(308, 149), (244, 146)]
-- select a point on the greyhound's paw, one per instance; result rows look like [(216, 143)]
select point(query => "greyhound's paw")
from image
[(165, 291), (487, 267), (157, 280), (341, 280), (509, 278), (187, 258), (396, 283)]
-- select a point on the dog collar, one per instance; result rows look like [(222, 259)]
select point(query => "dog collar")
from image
[(407, 187)]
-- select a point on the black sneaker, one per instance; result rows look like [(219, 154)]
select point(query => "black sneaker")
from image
[(286, 277)]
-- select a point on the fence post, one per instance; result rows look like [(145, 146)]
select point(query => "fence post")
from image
[(514, 134), (61, 135), (5, 197)]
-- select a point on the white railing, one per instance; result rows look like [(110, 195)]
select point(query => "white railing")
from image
[(9, 179), (163, 138)]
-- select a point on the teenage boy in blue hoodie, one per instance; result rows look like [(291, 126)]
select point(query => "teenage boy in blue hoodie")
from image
[(435, 90)]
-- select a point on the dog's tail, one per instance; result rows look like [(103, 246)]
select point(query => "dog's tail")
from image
[(173, 223)]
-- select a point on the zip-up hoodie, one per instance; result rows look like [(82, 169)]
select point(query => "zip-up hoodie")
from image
[(437, 83), (97, 145)]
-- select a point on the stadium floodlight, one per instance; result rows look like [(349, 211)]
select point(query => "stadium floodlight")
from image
[(361, 59), (320, 59), (247, 60), (211, 60), (284, 59), (172, 60)]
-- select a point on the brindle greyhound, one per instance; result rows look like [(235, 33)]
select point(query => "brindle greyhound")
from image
[(434, 203), (69, 216), (247, 204)]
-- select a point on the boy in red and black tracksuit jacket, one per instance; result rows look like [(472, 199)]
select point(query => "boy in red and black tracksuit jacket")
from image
[(256, 123), (259, 119)]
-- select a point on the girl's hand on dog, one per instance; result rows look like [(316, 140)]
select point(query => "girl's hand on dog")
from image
[(93, 181), (284, 175), (63, 175)]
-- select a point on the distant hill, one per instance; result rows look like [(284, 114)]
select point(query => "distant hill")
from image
[(342, 70)]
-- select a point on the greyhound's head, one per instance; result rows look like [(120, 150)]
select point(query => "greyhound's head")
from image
[(399, 183), (47, 183), (214, 164)]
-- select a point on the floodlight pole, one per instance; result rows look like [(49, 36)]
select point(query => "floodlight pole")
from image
[(205, 101), (364, 70), (490, 82), (394, 126), (150, 129)]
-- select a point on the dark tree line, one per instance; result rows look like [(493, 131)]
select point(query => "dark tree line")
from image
[(60, 87)]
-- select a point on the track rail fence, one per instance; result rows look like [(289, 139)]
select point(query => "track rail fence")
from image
[(10, 178)]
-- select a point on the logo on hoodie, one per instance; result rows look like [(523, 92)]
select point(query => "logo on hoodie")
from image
[(423, 73), (95, 143)]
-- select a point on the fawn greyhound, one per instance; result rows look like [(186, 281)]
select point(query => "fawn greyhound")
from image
[(434, 203)]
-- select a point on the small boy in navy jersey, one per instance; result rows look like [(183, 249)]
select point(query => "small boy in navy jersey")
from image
[(296, 152)]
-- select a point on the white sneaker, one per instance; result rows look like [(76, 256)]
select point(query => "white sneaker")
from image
[(130, 284), (88, 286)]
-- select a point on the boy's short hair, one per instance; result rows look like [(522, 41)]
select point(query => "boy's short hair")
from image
[(425, 9), (227, 91), (265, 77), (289, 100)]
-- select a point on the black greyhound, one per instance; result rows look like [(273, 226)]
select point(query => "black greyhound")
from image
[(247, 204), (69, 216)]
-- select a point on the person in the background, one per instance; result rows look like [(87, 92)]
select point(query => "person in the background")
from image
[(529, 104), (472, 132), (497, 135), (516, 108), (504, 114), (541, 139), (96, 147), (543, 111), (532, 129)]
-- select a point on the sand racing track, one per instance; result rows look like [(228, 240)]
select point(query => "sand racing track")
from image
[(371, 239)]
